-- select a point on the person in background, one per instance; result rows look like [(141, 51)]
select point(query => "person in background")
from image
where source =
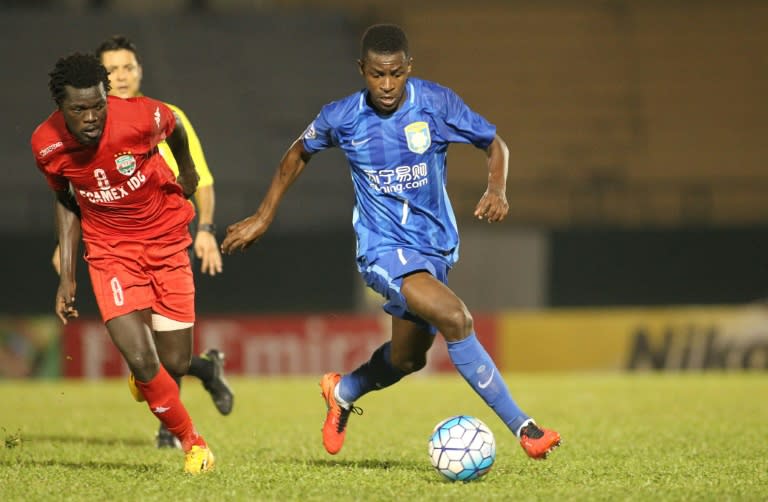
[(99, 155), (395, 134)]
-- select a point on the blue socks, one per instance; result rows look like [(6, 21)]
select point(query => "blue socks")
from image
[(470, 359), (478, 369), (376, 374)]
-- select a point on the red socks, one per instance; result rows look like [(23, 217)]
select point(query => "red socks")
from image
[(162, 395)]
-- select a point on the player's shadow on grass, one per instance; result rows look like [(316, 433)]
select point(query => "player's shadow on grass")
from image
[(97, 441), (82, 465), (361, 464)]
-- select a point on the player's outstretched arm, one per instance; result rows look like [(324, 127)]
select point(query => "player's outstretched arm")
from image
[(179, 145), (68, 227), (493, 205), (242, 234)]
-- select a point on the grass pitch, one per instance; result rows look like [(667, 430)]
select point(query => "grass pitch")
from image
[(625, 437)]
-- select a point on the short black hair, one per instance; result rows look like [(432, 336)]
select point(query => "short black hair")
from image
[(117, 43), (383, 39), (79, 71)]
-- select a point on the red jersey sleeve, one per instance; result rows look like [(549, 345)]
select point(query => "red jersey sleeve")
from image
[(45, 145), (157, 118)]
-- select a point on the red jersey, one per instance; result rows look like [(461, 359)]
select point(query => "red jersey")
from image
[(125, 189)]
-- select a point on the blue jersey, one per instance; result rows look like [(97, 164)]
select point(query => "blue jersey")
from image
[(398, 165)]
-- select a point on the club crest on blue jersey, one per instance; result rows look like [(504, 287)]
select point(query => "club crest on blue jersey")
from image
[(126, 164), (417, 135)]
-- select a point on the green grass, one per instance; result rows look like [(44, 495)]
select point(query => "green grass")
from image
[(625, 437)]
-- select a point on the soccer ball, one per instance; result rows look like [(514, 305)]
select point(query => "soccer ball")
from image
[(462, 448)]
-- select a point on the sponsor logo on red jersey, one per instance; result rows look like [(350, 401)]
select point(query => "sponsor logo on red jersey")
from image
[(50, 148)]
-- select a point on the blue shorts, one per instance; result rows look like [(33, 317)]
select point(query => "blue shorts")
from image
[(386, 272)]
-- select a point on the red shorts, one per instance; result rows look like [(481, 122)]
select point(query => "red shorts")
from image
[(132, 276)]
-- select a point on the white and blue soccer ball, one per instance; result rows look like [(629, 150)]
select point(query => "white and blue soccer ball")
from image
[(462, 448)]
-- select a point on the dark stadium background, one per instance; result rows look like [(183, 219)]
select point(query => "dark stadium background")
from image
[(636, 130)]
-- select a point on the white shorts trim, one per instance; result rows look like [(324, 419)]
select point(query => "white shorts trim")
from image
[(162, 323)]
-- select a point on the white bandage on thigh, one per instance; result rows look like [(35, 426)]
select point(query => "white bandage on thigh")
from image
[(162, 323)]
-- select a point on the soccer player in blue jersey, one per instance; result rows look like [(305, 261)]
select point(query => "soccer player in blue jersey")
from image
[(395, 134)]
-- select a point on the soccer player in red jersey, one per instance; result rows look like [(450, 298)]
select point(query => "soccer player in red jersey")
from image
[(99, 155), (120, 57)]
